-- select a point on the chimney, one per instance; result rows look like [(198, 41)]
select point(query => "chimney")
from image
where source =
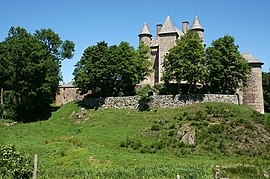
[(185, 27), (158, 27)]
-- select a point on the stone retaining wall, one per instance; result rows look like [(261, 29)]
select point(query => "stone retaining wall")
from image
[(158, 101)]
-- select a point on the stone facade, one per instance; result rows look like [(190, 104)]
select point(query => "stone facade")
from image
[(166, 37), (158, 101), (253, 91), (67, 93)]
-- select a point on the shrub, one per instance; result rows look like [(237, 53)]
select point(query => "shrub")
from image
[(133, 143), (145, 94), (155, 127), (14, 164), (148, 149), (216, 129)]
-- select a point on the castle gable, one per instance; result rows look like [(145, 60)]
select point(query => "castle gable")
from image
[(167, 27)]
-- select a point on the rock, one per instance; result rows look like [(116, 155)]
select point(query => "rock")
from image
[(10, 124), (187, 135), (82, 113), (72, 115), (265, 174), (80, 116)]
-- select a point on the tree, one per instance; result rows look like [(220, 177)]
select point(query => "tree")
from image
[(227, 68), (34, 70), (266, 92), (186, 62), (111, 70)]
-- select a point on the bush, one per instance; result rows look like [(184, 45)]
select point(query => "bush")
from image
[(133, 143), (145, 94), (155, 127), (13, 164)]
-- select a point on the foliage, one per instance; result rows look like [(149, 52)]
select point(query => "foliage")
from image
[(146, 96), (14, 164), (227, 68), (111, 70), (266, 92), (30, 65), (186, 62)]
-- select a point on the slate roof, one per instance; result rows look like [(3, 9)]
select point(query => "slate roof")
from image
[(167, 27), (196, 24), (68, 85), (179, 32), (145, 30), (251, 59)]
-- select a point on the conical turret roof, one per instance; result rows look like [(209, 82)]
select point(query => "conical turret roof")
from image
[(251, 59), (167, 27), (145, 30), (196, 24)]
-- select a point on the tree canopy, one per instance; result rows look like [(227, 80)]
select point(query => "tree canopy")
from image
[(30, 65), (186, 61), (111, 70), (227, 68)]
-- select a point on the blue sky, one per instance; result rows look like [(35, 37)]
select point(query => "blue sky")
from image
[(88, 22)]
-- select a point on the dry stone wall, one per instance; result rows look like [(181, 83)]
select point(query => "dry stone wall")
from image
[(158, 101)]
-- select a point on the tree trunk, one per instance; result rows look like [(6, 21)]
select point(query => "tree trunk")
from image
[(2, 96), (2, 102)]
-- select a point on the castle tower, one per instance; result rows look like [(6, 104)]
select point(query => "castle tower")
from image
[(145, 35), (197, 27), (167, 39), (253, 91)]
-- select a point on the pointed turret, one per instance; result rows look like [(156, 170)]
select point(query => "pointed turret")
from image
[(145, 35), (197, 27), (145, 30), (167, 27)]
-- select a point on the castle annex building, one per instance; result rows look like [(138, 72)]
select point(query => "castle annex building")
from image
[(166, 36)]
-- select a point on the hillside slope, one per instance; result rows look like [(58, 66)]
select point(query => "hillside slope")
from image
[(132, 144), (210, 128)]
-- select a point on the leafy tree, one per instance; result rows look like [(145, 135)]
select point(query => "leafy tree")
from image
[(33, 69), (227, 68), (186, 62), (266, 92), (111, 70)]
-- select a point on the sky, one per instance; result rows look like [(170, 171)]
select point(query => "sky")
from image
[(87, 22)]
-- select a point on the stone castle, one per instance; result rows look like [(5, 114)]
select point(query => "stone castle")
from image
[(166, 36)]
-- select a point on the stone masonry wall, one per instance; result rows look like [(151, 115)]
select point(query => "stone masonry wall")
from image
[(158, 101), (66, 95), (253, 91)]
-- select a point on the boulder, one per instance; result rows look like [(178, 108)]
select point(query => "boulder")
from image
[(187, 135)]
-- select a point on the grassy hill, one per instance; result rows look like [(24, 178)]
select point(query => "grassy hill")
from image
[(131, 144)]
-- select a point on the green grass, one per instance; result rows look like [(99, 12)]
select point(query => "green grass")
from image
[(92, 149)]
